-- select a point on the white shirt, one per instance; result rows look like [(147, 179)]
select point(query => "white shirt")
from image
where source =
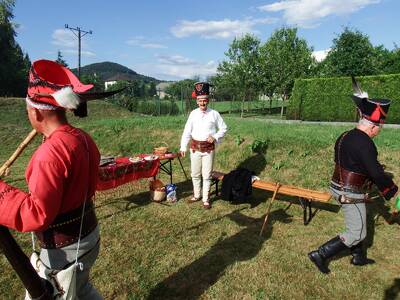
[(200, 125)]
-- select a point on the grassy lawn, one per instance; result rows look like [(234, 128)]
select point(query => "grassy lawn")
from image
[(181, 251)]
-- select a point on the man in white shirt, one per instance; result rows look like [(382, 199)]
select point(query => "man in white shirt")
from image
[(204, 128)]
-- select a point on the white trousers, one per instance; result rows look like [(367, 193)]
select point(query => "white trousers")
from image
[(201, 166)]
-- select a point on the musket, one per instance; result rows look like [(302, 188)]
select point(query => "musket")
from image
[(33, 283), (17, 152)]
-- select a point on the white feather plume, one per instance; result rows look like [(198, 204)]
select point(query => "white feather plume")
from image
[(361, 95), (67, 98)]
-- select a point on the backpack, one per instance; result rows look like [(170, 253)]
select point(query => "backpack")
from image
[(237, 186)]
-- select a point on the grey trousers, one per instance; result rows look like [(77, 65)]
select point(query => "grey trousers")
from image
[(88, 250), (355, 218)]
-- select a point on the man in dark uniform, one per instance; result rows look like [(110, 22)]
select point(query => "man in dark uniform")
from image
[(356, 165)]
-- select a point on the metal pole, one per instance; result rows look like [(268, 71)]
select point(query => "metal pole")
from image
[(81, 111), (81, 33), (79, 53)]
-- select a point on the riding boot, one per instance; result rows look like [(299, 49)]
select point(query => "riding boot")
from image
[(329, 249), (360, 256)]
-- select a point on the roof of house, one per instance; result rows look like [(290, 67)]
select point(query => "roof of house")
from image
[(163, 85)]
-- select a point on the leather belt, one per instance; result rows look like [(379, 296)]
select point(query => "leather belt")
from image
[(334, 185), (348, 180), (202, 146), (65, 228)]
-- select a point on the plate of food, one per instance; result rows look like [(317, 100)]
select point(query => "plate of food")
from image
[(150, 157), (135, 159)]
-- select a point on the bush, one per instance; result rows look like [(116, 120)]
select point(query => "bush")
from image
[(329, 99), (259, 146), (153, 107), (156, 107)]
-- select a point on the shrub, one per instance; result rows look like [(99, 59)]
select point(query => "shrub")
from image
[(329, 99), (259, 146)]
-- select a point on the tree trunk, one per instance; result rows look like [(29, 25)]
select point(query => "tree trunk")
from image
[(283, 101), (242, 107)]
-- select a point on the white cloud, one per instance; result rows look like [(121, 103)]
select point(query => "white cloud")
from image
[(64, 38), (307, 13), (174, 60), (321, 54), (75, 52), (221, 29), (67, 42), (144, 43), (177, 67)]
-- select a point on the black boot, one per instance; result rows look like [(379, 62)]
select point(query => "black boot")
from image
[(360, 256), (329, 249)]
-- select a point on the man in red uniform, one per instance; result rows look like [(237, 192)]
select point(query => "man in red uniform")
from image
[(61, 177)]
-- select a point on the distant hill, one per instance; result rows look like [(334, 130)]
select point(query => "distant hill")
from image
[(109, 70)]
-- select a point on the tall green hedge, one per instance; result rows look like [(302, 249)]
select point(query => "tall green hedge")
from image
[(329, 99)]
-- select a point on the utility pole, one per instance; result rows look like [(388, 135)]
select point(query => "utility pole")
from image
[(81, 33), (81, 111)]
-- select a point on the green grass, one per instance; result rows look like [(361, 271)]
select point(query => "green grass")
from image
[(181, 251)]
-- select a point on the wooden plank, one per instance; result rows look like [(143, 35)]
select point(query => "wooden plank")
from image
[(284, 189), (293, 191)]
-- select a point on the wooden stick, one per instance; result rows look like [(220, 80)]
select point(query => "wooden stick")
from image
[(17, 152), (22, 266), (269, 207)]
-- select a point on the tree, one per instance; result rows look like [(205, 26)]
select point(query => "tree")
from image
[(241, 70), (284, 57), (98, 84), (352, 54), (14, 65), (181, 89), (387, 62), (151, 89), (60, 59)]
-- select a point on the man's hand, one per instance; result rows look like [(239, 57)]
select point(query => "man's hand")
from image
[(210, 139), (183, 153)]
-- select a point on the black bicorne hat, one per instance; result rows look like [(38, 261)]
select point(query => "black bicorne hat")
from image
[(201, 90), (374, 110)]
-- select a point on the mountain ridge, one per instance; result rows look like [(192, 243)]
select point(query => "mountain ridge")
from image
[(113, 71)]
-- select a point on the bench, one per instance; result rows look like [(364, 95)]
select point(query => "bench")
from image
[(305, 196)]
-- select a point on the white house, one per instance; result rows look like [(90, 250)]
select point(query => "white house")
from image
[(114, 79), (161, 89)]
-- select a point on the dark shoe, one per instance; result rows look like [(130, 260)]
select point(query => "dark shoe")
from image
[(207, 205), (319, 261), (360, 256), (329, 249), (194, 199)]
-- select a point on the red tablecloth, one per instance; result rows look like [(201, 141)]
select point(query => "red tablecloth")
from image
[(124, 171)]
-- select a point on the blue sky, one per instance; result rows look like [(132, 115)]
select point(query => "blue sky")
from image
[(173, 40)]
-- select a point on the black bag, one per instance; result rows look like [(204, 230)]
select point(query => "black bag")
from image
[(236, 185)]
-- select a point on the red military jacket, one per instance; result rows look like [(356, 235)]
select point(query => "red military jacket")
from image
[(60, 174)]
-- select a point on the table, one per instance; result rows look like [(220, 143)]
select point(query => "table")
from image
[(166, 164), (123, 171)]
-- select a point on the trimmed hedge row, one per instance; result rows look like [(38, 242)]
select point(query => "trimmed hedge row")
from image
[(153, 107), (329, 99)]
